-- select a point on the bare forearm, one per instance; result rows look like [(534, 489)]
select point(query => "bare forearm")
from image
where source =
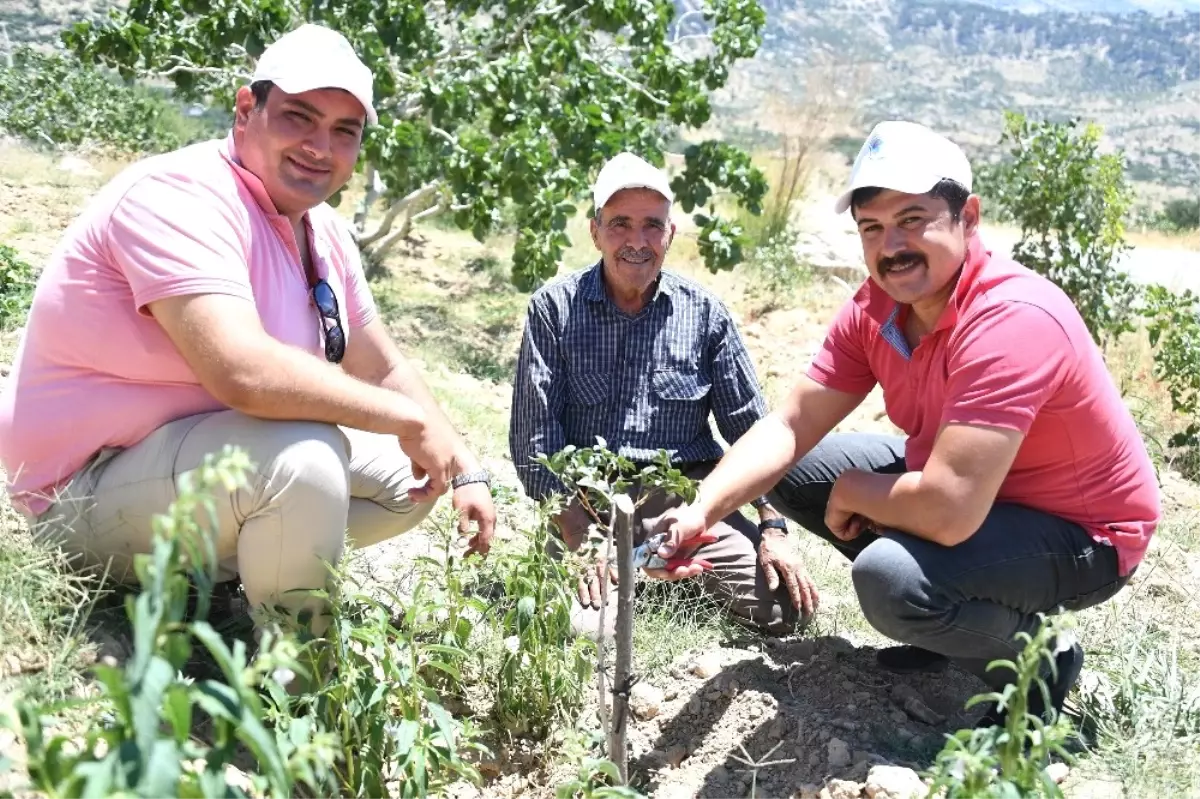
[(404, 379), (907, 502), (285, 383), (749, 469)]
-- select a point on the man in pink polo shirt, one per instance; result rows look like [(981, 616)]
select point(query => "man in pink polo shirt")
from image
[(210, 297), (1021, 486)]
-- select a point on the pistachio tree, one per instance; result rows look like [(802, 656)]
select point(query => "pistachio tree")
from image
[(486, 107)]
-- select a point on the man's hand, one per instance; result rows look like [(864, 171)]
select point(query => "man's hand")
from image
[(432, 453), (590, 587), (683, 525), (778, 558), (473, 502), (844, 523)]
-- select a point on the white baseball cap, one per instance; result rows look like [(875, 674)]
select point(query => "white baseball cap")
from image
[(315, 57), (628, 171), (905, 157)]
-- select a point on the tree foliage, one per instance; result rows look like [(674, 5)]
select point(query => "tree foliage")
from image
[(1070, 202), (484, 102), (51, 98)]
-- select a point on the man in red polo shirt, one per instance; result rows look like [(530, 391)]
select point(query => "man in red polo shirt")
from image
[(1021, 486)]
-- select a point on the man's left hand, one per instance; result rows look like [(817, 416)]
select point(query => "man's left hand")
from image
[(474, 504), (779, 559)]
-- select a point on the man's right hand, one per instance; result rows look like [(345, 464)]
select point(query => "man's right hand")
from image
[(432, 451), (683, 526)]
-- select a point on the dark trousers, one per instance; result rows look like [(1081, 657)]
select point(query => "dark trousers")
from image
[(968, 601)]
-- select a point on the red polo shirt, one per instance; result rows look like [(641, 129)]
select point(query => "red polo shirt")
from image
[(1010, 350)]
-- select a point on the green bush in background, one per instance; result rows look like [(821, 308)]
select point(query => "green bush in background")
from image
[(54, 99)]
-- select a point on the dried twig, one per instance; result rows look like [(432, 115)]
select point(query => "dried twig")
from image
[(754, 766)]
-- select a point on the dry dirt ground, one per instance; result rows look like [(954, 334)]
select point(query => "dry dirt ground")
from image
[(815, 707)]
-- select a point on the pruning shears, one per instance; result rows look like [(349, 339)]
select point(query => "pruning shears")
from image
[(645, 556)]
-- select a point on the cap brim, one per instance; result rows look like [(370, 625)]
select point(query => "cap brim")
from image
[(602, 200), (887, 176), (298, 84)]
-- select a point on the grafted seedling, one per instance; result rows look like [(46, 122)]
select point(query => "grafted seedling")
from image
[(611, 488)]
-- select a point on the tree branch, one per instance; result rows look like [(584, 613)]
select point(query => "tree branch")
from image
[(369, 197), (183, 65), (617, 75), (406, 227), (398, 207)]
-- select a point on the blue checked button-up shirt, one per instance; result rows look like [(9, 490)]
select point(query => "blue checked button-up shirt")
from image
[(643, 383)]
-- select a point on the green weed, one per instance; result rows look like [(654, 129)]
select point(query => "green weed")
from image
[(1009, 760)]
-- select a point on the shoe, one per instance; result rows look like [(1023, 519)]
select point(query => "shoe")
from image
[(910, 660), (1068, 665)]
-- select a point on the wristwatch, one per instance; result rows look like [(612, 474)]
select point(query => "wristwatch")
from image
[(775, 524), (467, 478), (759, 503)]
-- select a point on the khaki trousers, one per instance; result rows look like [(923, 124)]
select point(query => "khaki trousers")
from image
[(312, 485), (736, 580)]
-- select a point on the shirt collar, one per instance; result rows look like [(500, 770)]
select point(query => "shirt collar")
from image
[(591, 286), (253, 184), (879, 306)]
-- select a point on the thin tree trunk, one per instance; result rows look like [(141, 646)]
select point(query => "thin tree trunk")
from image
[(623, 533)]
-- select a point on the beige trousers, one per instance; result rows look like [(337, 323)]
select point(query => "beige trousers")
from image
[(313, 484)]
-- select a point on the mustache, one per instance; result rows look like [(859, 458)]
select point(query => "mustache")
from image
[(900, 260), (631, 253)]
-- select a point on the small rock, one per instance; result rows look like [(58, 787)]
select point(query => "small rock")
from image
[(731, 690), (694, 705), (645, 701), (849, 686), (671, 693), (676, 754), (707, 665), (861, 756), (851, 708), (893, 782), (1058, 771), (839, 753), (844, 789), (656, 757), (713, 695), (720, 774), (899, 716), (809, 791), (914, 705), (777, 729)]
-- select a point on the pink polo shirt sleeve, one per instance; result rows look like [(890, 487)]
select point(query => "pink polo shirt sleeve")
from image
[(842, 364), (171, 236), (1008, 361)]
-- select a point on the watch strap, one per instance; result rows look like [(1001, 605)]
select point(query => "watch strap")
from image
[(773, 524), (467, 478), (760, 502)]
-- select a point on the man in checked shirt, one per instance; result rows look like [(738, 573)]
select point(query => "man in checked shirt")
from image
[(641, 357)]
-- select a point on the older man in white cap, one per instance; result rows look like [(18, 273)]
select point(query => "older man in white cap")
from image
[(210, 297), (1021, 485), (641, 357)]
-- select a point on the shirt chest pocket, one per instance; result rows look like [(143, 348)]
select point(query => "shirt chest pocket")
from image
[(673, 385), (588, 388)]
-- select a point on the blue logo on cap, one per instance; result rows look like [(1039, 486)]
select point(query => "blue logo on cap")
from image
[(874, 144)]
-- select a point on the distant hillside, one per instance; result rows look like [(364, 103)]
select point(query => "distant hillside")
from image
[(956, 66), (40, 21)]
